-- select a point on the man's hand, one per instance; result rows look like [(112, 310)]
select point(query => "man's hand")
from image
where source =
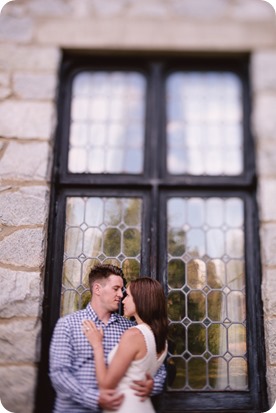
[(110, 399), (143, 388)]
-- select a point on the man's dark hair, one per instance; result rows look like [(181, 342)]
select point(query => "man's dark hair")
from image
[(102, 272)]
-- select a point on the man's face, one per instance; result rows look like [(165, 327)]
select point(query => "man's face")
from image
[(111, 292)]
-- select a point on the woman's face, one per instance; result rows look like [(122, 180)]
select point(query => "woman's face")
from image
[(128, 302)]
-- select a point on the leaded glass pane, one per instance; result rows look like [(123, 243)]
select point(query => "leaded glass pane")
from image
[(204, 123), (98, 229), (206, 294), (107, 123)]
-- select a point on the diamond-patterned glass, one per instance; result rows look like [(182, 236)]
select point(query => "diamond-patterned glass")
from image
[(206, 298), (111, 234)]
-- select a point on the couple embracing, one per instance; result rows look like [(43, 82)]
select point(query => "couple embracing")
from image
[(100, 360)]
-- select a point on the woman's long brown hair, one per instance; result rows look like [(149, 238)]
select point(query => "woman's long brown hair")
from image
[(151, 306)]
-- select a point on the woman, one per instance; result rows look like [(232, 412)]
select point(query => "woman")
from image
[(142, 348)]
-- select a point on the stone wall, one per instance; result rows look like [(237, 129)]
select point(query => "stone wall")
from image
[(32, 35)]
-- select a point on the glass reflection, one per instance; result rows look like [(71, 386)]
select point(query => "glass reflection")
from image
[(215, 273), (176, 305), (200, 107), (98, 230), (216, 306), (176, 273), (206, 273), (218, 373), (197, 373), (238, 378), (107, 123), (196, 306), (196, 339), (176, 338), (217, 340), (176, 373)]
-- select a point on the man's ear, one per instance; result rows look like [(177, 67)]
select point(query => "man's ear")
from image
[(97, 288)]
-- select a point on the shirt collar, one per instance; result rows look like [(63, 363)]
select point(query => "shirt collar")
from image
[(94, 316)]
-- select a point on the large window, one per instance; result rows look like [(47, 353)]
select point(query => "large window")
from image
[(154, 172)]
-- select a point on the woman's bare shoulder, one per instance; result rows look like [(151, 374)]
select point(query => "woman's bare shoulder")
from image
[(132, 333)]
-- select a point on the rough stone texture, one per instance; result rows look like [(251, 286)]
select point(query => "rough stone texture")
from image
[(135, 34), (271, 380), (16, 29), (268, 241), (263, 71), (20, 382), (25, 161), (18, 341), (40, 58), (270, 327), (26, 119), (5, 89), (266, 158), (264, 119), (35, 86), (20, 293), (248, 10), (200, 8), (268, 195), (269, 288), (24, 206), (32, 33), (23, 248)]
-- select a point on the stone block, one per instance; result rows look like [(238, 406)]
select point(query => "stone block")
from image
[(263, 71), (149, 9), (35, 86), (271, 384), (19, 57), (268, 244), (26, 120), (25, 161), (266, 158), (268, 291), (267, 196), (17, 388), (270, 334), (20, 341), (5, 89), (25, 206), (251, 10), (200, 9), (20, 293), (50, 8), (173, 34), (23, 248), (263, 117), (15, 29)]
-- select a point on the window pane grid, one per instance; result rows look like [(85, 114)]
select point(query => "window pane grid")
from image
[(204, 123), (206, 294), (98, 230), (107, 123)]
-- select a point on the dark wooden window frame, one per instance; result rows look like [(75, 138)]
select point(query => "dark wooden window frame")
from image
[(155, 186)]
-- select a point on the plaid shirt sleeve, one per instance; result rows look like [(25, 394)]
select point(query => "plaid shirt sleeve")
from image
[(61, 375), (159, 381)]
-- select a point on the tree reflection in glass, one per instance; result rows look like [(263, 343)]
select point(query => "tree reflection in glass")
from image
[(98, 230), (206, 297)]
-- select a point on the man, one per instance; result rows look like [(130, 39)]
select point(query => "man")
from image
[(71, 357)]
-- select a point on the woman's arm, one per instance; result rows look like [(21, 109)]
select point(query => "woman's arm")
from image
[(131, 347)]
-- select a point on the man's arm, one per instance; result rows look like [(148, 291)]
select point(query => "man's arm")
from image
[(61, 374), (150, 386), (159, 381)]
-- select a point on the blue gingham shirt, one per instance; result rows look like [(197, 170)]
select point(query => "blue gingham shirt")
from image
[(72, 368)]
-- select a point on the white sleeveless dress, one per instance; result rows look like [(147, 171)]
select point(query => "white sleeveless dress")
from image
[(137, 371)]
